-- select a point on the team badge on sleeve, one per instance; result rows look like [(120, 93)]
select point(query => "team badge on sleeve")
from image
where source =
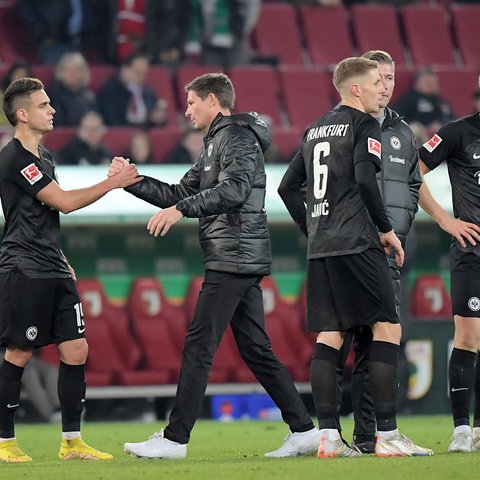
[(32, 173), (375, 147), (433, 143)]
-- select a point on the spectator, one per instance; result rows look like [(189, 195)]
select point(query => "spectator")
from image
[(130, 27), (86, 148), (476, 101), (424, 103), (186, 151), (220, 30), (58, 26), (140, 151), (127, 100), (167, 27), (20, 68), (70, 95)]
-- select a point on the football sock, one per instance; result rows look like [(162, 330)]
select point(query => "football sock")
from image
[(461, 373), (476, 412), (71, 394), (383, 380), (324, 384), (10, 385)]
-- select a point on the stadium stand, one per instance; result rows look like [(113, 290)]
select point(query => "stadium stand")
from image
[(430, 299), (465, 23), (427, 34), (376, 27), (277, 35), (327, 34), (163, 140)]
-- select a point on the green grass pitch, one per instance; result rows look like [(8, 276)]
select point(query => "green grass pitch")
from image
[(235, 451)]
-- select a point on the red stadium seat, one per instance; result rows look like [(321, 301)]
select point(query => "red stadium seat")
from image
[(160, 80), (427, 34), (466, 21), (457, 86), (306, 94), (99, 74), (256, 89), (287, 139), (45, 73), (376, 27), (97, 308), (403, 82), (58, 138), (148, 303), (430, 298), (163, 140), (327, 35), (286, 332), (277, 34), (118, 139)]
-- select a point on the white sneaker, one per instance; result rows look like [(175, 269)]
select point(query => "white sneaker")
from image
[(462, 442), (298, 443), (400, 446), (476, 443), (336, 448), (157, 446)]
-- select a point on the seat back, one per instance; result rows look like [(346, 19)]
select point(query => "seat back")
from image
[(327, 34), (427, 34), (376, 27), (466, 21), (276, 34), (430, 298)]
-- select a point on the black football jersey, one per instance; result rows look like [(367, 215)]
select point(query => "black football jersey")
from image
[(31, 237), (338, 221), (458, 144)]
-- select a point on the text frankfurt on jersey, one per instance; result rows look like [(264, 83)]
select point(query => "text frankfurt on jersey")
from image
[(337, 130)]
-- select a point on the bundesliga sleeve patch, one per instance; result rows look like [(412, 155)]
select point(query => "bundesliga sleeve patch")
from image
[(433, 143), (32, 173), (375, 147)]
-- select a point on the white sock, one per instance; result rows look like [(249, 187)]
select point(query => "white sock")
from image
[(330, 433), (6, 439), (387, 435), (462, 429), (306, 432), (476, 432), (70, 435)]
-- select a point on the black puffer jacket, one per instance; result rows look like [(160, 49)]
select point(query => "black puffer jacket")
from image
[(225, 189), (399, 178)]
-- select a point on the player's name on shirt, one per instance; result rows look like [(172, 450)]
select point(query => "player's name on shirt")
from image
[(336, 130)]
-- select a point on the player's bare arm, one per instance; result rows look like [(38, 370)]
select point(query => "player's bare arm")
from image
[(459, 229), (67, 201), (161, 222)]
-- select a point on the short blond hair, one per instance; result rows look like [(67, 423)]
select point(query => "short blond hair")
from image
[(351, 67), (380, 56)]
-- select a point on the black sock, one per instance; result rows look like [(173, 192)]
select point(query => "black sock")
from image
[(461, 375), (323, 378), (383, 366), (71, 394), (476, 415), (10, 385)]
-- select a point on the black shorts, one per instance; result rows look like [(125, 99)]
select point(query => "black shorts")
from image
[(38, 311), (349, 291), (465, 283)]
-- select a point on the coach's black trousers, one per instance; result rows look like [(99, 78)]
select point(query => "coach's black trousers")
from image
[(224, 299)]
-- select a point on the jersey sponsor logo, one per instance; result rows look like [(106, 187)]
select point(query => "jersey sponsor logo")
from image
[(375, 147), (32, 173), (433, 143), (396, 159), (395, 143), (474, 304), (31, 333)]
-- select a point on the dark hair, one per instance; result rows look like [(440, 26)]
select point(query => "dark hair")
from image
[(218, 84), (20, 63), (17, 92)]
